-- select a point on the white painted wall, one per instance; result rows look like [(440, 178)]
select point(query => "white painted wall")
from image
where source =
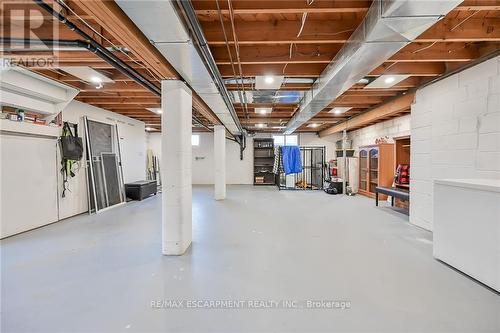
[(237, 171), (455, 134), (396, 127), (35, 162), (132, 145), (28, 182)]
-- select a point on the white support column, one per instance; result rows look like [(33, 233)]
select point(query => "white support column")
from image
[(176, 126), (220, 161)]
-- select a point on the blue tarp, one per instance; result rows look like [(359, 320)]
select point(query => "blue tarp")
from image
[(292, 162)]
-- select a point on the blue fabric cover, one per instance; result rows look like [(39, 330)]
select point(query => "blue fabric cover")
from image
[(292, 162)]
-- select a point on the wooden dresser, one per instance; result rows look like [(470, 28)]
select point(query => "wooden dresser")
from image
[(376, 168)]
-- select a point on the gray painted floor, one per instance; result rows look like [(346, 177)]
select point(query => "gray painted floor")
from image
[(100, 273)]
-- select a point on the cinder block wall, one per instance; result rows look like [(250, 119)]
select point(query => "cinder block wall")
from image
[(455, 133), (396, 127)]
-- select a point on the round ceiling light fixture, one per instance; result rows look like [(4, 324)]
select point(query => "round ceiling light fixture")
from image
[(389, 79), (269, 79), (95, 79)]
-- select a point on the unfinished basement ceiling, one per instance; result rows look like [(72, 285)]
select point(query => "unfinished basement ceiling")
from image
[(115, 92), (288, 39), (297, 41)]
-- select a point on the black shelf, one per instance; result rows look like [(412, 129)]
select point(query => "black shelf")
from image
[(263, 164)]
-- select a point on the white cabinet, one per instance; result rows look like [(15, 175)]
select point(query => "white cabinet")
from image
[(467, 227)]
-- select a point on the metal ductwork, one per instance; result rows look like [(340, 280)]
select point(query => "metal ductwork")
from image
[(187, 53), (389, 26)]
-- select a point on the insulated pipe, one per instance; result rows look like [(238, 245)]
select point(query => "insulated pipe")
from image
[(91, 45), (195, 28), (78, 44)]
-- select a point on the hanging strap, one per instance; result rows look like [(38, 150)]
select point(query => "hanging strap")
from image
[(67, 165)]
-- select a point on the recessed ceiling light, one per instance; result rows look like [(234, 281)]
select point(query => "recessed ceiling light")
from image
[(263, 110), (386, 81), (340, 109), (314, 125), (268, 82), (155, 110), (87, 74), (149, 129), (95, 79), (260, 125), (389, 79)]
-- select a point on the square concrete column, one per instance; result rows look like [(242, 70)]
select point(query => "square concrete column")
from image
[(220, 162), (176, 173)]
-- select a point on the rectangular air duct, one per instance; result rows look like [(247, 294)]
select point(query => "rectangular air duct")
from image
[(159, 22), (388, 26)]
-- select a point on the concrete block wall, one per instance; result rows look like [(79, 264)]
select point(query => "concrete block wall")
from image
[(455, 133), (396, 127)]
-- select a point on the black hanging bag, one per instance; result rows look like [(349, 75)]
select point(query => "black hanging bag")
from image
[(71, 144)]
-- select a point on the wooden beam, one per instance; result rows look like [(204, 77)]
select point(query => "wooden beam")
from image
[(286, 86), (359, 99), (434, 52), (277, 114), (412, 69), (111, 73), (284, 32), (369, 92), (113, 107), (208, 8), (279, 54), (100, 93), (267, 105), (112, 19), (275, 120), (387, 109), (338, 31), (314, 70), (120, 100), (324, 53), (130, 86)]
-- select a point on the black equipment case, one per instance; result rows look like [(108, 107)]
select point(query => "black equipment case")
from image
[(141, 189)]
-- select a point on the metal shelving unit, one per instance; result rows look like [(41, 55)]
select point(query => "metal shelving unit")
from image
[(263, 157)]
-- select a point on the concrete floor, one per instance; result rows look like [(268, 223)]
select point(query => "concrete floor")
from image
[(100, 273)]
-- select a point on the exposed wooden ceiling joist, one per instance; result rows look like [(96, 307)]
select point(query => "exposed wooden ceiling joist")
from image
[(387, 109), (265, 30), (328, 32), (314, 70), (312, 54), (121, 27), (207, 8)]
